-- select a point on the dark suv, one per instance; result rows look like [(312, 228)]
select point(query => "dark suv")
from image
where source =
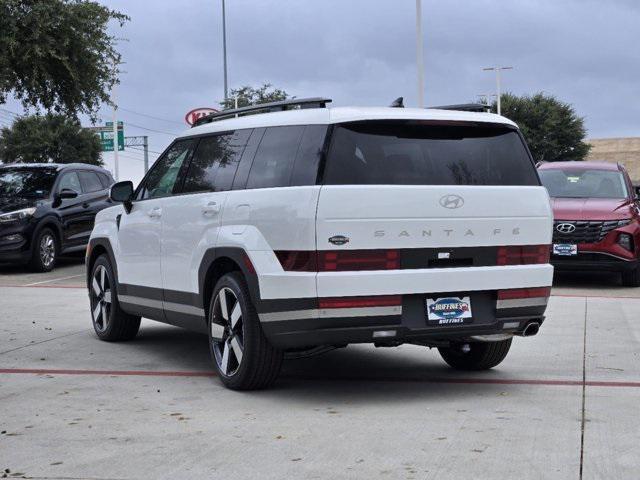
[(48, 209)]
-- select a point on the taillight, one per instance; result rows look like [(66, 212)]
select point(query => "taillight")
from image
[(513, 293), (523, 254), (339, 260), (355, 302), (351, 260)]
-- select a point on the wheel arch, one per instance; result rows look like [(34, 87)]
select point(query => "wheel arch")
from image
[(95, 248), (219, 261)]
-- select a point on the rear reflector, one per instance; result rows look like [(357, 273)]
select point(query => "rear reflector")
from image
[(513, 293), (523, 254), (338, 260), (359, 302)]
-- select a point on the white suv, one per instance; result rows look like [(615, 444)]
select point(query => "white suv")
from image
[(291, 226)]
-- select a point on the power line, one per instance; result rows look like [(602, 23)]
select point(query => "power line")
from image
[(142, 149), (151, 116)]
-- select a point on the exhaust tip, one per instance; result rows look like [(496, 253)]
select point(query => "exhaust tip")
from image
[(531, 329)]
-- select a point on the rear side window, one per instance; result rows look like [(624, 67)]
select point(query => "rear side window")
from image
[(90, 182), (275, 157), (215, 162), (421, 153), (305, 170), (105, 180)]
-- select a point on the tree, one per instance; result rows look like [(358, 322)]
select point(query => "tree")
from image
[(552, 128), (57, 54), (247, 95), (49, 138)]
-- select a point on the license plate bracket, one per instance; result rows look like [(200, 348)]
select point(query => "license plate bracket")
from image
[(565, 249), (449, 310)]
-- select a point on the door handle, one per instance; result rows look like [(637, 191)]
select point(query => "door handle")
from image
[(85, 205), (155, 212), (211, 209)]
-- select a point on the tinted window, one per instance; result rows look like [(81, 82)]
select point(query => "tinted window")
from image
[(240, 180), (26, 182), (105, 180), (215, 162), (305, 170), (90, 182), (572, 183), (70, 181), (275, 156), (412, 153), (163, 177)]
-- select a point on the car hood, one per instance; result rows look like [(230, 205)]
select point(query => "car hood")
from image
[(11, 204), (591, 208)]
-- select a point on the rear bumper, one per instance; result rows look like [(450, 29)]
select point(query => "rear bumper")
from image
[(401, 324)]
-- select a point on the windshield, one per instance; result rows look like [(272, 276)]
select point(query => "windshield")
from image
[(572, 183), (421, 153), (26, 182)]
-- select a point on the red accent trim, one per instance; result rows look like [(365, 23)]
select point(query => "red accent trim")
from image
[(513, 293), (356, 302), (338, 260)]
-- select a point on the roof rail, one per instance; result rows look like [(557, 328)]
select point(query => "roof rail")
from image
[(291, 104), (465, 107)]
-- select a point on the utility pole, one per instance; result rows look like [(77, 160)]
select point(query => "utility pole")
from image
[(224, 50), (419, 54), (145, 145), (498, 91), (114, 119)]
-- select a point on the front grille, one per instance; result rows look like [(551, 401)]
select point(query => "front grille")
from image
[(585, 232)]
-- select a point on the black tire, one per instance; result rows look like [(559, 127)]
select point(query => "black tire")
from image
[(243, 357), (103, 297), (44, 252), (481, 356), (631, 278)]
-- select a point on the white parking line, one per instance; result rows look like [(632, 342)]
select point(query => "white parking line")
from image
[(53, 280)]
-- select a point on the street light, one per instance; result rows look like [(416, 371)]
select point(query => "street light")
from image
[(419, 54), (498, 94), (224, 50)]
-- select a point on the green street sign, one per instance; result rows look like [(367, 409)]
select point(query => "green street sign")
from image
[(106, 136)]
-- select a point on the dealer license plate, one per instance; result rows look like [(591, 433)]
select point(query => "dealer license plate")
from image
[(449, 310), (565, 249)]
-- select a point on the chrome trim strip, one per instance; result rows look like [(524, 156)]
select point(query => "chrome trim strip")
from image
[(330, 313), (522, 302), (160, 305)]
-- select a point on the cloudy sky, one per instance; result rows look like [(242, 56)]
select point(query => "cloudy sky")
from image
[(361, 52)]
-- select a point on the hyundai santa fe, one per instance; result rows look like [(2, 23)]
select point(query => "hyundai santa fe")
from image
[(292, 226), (597, 219), (48, 209)]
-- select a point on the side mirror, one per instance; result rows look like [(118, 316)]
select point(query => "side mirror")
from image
[(122, 192), (67, 193)]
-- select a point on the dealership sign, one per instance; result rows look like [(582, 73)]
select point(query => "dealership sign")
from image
[(198, 113)]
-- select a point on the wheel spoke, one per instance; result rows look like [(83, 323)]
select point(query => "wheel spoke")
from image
[(96, 287), (236, 314), (104, 317), (222, 298), (102, 272), (217, 332), (107, 296), (237, 349), (224, 363), (96, 312)]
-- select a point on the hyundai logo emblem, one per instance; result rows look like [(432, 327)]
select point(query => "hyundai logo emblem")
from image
[(566, 228), (451, 201)]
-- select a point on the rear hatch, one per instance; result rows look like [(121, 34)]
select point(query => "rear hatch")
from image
[(440, 194)]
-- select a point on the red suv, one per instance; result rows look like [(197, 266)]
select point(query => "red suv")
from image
[(596, 218)]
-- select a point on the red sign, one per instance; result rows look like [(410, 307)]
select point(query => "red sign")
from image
[(197, 113)]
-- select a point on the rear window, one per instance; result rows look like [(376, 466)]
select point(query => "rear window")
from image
[(421, 153)]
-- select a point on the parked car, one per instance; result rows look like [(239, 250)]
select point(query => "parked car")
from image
[(314, 226), (597, 217), (48, 209)]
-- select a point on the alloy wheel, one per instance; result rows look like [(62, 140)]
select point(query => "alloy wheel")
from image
[(100, 298), (47, 250), (227, 334)]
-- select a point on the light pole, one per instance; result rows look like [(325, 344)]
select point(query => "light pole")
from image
[(498, 93), (419, 54), (224, 50)]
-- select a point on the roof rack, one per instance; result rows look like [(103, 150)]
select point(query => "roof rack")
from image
[(465, 107), (292, 104)]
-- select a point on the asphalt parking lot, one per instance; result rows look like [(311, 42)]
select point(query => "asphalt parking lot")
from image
[(564, 404)]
